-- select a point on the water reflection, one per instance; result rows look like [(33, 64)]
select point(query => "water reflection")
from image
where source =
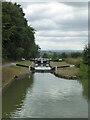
[(44, 95), (85, 87), (15, 94)]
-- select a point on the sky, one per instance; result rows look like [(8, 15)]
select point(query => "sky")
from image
[(58, 25)]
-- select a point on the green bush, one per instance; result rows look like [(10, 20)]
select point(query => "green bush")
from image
[(76, 54), (83, 74)]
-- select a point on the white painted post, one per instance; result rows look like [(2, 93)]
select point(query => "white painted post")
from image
[(42, 61), (29, 67), (55, 68), (72, 66)]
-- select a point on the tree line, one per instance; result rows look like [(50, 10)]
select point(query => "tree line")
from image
[(85, 55), (63, 55), (17, 36)]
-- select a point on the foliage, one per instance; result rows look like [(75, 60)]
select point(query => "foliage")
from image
[(17, 37), (85, 64), (76, 54), (84, 71), (55, 56), (19, 52), (83, 74), (45, 55), (83, 78), (86, 55), (64, 55), (74, 61)]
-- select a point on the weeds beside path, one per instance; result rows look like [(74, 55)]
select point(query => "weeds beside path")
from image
[(9, 72)]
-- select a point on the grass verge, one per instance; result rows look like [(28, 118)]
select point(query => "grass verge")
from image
[(69, 73), (9, 73)]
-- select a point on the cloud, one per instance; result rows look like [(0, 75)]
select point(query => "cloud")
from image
[(77, 4), (58, 25), (62, 45), (46, 1), (62, 16), (59, 33)]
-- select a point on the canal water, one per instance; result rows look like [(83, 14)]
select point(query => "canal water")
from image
[(43, 95)]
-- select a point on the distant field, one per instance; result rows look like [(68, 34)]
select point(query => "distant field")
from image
[(58, 63), (68, 61), (73, 60)]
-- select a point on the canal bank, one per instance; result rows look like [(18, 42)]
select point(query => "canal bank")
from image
[(10, 72), (67, 72)]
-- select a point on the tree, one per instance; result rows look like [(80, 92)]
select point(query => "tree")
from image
[(55, 56), (76, 54), (17, 37), (45, 55), (86, 55), (64, 55), (19, 52)]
